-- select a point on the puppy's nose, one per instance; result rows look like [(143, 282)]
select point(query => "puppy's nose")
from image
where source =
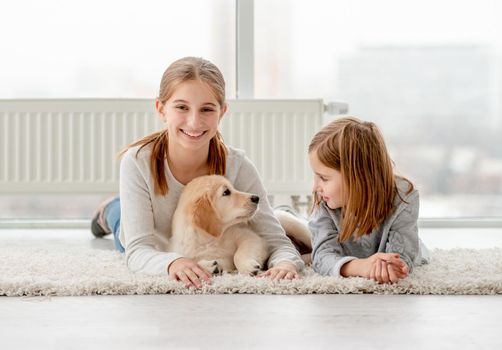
[(255, 199)]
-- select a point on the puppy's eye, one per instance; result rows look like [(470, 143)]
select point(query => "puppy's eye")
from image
[(226, 192)]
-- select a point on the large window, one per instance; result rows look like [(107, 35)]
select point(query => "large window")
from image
[(427, 72)]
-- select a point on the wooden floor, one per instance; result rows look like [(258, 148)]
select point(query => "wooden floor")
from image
[(251, 321)]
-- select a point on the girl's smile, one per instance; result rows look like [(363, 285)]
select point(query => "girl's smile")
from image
[(193, 134)]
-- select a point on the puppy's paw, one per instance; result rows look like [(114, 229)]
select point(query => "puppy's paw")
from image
[(250, 267), (212, 266)]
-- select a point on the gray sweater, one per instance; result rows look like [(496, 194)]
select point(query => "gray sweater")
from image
[(397, 234), (146, 217)]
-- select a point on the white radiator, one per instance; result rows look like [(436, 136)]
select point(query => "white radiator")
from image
[(69, 146)]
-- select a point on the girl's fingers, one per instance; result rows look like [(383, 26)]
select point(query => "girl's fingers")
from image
[(269, 273), (280, 275), (385, 275), (400, 263), (290, 275), (277, 274), (378, 271), (392, 274), (294, 275), (273, 273), (183, 278), (398, 271), (400, 267), (399, 274), (403, 272), (193, 278), (202, 273)]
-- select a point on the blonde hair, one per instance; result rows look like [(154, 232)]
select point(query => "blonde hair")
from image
[(357, 149), (180, 71)]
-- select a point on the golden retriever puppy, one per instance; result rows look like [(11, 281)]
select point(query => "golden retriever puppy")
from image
[(210, 227)]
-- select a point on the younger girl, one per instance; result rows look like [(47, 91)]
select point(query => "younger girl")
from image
[(155, 169), (365, 216)]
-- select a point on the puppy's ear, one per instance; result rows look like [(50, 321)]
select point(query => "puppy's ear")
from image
[(205, 216)]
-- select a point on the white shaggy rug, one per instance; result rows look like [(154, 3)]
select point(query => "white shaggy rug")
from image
[(57, 272)]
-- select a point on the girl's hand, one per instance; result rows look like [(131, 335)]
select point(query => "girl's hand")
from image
[(387, 268), (380, 267), (283, 270), (188, 272), (397, 272)]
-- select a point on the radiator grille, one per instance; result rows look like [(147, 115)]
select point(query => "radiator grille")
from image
[(55, 146)]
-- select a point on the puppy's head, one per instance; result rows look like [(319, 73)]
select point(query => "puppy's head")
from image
[(213, 204)]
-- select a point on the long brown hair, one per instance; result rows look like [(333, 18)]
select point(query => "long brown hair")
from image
[(357, 149), (180, 71)]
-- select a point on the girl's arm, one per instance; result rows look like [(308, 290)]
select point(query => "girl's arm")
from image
[(264, 222), (136, 220), (328, 255), (403, 232)]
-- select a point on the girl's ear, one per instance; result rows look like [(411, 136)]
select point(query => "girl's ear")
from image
[(159, 106), (223, 110)]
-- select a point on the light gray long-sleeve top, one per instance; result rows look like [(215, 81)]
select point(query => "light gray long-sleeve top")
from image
[(397, 234), (146, 217)]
